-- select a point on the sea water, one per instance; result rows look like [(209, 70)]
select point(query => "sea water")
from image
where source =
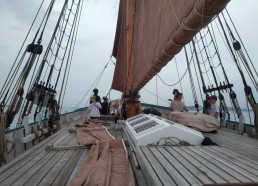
[(248, 115)]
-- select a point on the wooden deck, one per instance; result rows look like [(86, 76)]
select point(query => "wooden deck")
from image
[(195, 166), (159, 165), (231, 140)]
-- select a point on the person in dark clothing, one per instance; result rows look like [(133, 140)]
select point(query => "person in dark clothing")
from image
[(96, 91), (105, 106)]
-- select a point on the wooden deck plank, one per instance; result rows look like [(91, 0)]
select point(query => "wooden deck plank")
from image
[(21, 173), (156, 166), (27, 170), (226, 171), (245, 146), (233, 145), (45, 169), (24, 158), (182, 169), (12, 168), (78, 165), (196, 166), (60, 163), (169, 168), (199, 174), (149, 174), (245, 160), (55, 171), (62, 178), (236, 136), (242, 168), (138, 174), (39, 175)]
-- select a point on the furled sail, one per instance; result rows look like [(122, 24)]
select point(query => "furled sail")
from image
[(150, 33)]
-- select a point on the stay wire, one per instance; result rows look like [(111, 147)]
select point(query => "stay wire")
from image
[(197, 62), (44, 60), (242, 43), (96, 80), (191, 77), (234, 57), (65, 49), (155, 95), (242, 56), (69, 53), (203, 64), (207, 51), (180, 79), (5, 83), (218, 54), (76, 32), (212, 70), (178, 75)]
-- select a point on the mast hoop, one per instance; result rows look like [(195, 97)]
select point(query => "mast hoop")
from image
[(201, 13), (167, 54), (174, 43)]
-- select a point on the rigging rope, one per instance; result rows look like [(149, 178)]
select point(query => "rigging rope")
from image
[(178, 75), (95, 82), (197, 75), (180, 79), (242, 42), (203, 62), (156, 95), (239, 51), (8, 76), (74, 41), (191, 82)]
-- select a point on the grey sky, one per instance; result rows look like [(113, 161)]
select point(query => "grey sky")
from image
[(94, 47)]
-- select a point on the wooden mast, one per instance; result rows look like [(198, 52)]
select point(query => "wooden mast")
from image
[(131, 98)]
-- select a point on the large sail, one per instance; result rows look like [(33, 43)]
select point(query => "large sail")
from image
[(150, 33)]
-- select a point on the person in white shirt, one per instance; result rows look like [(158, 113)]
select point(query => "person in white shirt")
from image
[(214, 109), (94, 108), (177, 104)]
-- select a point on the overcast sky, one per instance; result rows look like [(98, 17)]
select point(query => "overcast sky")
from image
[(94, 46)]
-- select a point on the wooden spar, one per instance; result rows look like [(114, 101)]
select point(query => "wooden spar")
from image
[(131, 104)]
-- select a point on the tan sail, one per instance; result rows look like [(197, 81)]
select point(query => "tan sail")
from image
[(150, 33)]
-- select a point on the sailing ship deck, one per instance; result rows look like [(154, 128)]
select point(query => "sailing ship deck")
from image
[(236, 160)]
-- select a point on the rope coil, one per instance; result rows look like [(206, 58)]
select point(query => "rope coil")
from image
[(170, 141)]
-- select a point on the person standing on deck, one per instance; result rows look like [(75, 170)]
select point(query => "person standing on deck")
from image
[(105, 106), (96, 91), (214, 110), (94, 108)]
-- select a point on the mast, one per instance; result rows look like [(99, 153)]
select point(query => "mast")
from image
[(130, 97)]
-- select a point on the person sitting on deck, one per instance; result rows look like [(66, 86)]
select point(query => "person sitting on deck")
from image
[(174, 92), (177, 104), (105, 106), (94, 108)]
